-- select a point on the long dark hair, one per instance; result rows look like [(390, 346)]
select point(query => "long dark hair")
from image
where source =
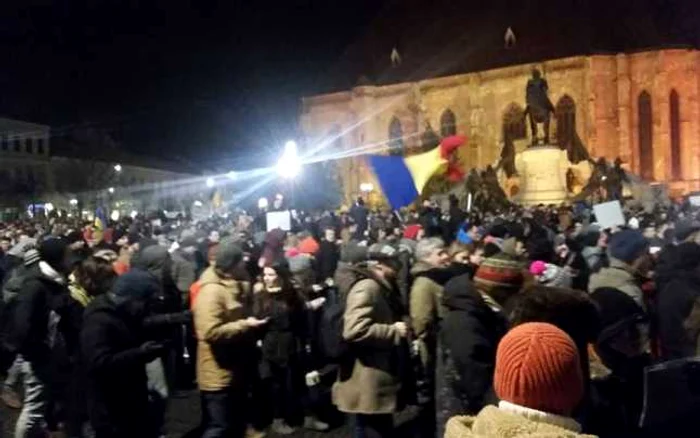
[(288, 293), (95, 275)]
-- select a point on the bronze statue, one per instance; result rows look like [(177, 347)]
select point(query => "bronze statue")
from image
[(494, 194), (614, 179), (539, 108), (596, 183), (507, 161)]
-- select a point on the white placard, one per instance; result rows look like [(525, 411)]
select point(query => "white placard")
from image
[(279, 219), (694, 200), (609, 214)]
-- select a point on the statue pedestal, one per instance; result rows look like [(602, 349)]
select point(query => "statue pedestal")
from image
[(542, 172)]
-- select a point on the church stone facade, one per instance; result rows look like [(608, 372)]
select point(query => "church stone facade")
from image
[(643, 107)]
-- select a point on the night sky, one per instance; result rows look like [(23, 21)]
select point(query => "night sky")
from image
[(202, 79), (221, 81)]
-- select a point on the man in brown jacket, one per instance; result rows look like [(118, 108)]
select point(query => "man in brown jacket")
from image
[(368, 385), (226, 343)]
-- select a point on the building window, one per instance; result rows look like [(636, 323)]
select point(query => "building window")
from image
[(675, 118), (514, 123), (18, 144), (40, 146), (566, 122), (395, 137), (429, 139), (29, 144), (646, 136), (448, 123)]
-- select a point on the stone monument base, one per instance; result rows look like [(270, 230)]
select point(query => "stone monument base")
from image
[(542, 171)]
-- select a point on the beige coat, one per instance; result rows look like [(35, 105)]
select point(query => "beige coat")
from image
[(371, 384), (223, 335), (621, 277), (426, 311), (493, 422)]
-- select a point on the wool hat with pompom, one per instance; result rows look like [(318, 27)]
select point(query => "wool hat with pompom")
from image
[(501, 271), (538, 367)]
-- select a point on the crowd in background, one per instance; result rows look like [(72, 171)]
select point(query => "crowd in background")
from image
[(519, 322)]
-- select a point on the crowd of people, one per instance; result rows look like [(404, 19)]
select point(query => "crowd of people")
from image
[(518, 322)]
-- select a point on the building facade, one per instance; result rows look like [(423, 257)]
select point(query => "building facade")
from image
[(31, 171), (643, 107)]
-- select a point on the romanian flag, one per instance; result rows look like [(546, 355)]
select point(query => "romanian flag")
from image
[(100, 219), (403, 178)]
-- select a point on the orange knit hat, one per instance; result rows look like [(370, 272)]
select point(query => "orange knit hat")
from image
[(308, 246), (538, 367)]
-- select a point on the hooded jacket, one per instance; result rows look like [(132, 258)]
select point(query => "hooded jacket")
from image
[(42, 311), (116, 383), (621, 277), (372, 382), (676, 300), (156, 260), (225, 340), (467, 343), (493, 422), (274, 246), (425, 306)]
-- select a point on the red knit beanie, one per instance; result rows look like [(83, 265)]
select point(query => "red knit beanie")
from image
[(538, 367)]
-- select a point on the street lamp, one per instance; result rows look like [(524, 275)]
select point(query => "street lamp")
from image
[(73, 202), (111, 190), (262, 203), (117, 167), (210, 182), (289, 165)]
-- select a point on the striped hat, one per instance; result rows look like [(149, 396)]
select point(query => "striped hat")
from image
[(31, 256), (501, 271)]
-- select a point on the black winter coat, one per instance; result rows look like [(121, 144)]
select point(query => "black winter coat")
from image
[(469, 335), (34, 323), (116, 387), (328, 257), (680, 288)]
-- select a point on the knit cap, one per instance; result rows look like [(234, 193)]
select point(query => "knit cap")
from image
[(555, 276), (501, 271), (136, 284), (308, 246), (31, 256), (538, 367), (54, 252), (352, 252), (627, 245), (228, 254)]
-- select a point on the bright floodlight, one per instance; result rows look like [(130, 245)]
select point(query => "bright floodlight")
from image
[(114, 215), (133, 214), (289, 166), (210, 182), (73, 201), (117, 168), (231, 175), (262, 203), (48, 207), (198, 203), (366, 187), (110, 190)]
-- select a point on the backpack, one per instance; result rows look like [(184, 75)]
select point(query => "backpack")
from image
[(10, 290), (332, 344)]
